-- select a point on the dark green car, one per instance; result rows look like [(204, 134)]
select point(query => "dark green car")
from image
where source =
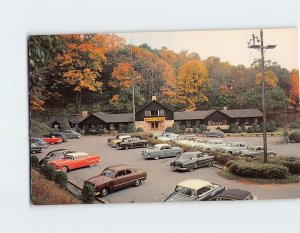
[(189, 161)]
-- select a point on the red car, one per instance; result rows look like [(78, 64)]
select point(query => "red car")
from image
[(51, 139), (75, 160)]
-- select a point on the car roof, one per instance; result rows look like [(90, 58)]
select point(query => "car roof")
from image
[(119, 167), (194, 183), (75, 154), (160, 145), (238, 194)]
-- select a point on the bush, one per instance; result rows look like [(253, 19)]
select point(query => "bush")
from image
[(189, 131), (175, 128), (222, 158), (202, 128), (256, 128), (65, 125), (48, 171), (292, 163), (295, 136), (154, 141), (233, 128), (295, 125), (169, 130), (182, 129), (194, 129), (139, 130), (60, 178), (37, 129), (88, 194), (197, 131), (250, 129), (258, 170), (34, 161)]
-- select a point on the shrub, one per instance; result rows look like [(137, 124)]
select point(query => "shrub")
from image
[(197, 131), (182, 129), (194, 129), (60, 178), (34, 161), (189, 131), (38, 129), (202, 128), (155, 141), (88, 195), (250, 129), (272, 126), (169, 130), (258, 170), (292, 163), (222, 158), (295, 125), (295, 136), (256, 128), (48, 171), (139, 129), (233, 128), (175, 128), (65, 125)]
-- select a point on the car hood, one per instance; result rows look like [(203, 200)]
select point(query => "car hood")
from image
[(98, 180), (176, 197), (182, 161)]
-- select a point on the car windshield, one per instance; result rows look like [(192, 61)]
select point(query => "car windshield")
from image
[(185, 191), (108, 173), (156, 147), (185, 156)]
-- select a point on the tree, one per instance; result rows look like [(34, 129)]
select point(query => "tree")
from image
[(270, 78), (293, 93), (191, 84), (276, 99)]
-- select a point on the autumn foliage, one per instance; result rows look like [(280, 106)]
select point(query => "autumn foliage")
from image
[(294, 88)]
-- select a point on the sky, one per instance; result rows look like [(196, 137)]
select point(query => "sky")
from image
[(229, 45)]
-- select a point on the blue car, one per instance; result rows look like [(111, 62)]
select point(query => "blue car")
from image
[(39, 142)]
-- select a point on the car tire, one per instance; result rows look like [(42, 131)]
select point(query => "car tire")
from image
[(178, 154), (104, 192), (190, 169), (126, 147), (156, 158), (64, 169), (137, 183), (210, 163), (145, 145)]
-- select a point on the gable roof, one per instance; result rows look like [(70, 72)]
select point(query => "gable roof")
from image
[(242, 113), (114, 118), (192, 115), (76, 119), (146, 105)]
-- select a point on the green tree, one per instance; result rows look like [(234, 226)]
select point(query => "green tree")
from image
[(276, 99)]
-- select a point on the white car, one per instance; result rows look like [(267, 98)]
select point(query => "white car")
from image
[(212, 145)]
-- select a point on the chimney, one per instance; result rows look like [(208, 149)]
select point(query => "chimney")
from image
[(154, 98)]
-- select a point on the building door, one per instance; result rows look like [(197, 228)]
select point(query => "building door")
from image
[(154, 125)]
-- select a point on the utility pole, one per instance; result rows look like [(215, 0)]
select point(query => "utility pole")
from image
[(262, 49)]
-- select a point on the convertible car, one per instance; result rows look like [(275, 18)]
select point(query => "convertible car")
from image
[(189, 161), (193, 190), (162, 151), (51, 139), (75, 160), (116, 177)]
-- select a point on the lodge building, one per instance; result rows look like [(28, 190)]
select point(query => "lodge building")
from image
[(157, 116)]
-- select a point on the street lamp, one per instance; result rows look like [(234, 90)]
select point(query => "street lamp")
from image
[(262, 49)]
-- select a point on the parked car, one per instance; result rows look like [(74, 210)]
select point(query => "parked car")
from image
[(162, 151), (214, 133), (232, 147), (109, 140), (133, 142), (116, 177), (211, 145), (55, 155), (34, 148), (51, 139), (63, 137), (189, 161), (115, 142), (75, 160), (234, 195), (183, 137), (193, 190), (71, 133), (39, 142), (254, 151)]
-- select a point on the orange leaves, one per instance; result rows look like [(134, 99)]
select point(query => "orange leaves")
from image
[(294, 87), (115, 99), (223, 88), (270, 77), (121, 76), (36, 104)]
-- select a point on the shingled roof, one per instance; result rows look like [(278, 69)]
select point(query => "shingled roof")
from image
[(76, 119), (192, 115), (242, 113), (114, 118)]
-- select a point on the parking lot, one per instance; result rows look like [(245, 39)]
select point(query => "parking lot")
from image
[(161, 179)]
